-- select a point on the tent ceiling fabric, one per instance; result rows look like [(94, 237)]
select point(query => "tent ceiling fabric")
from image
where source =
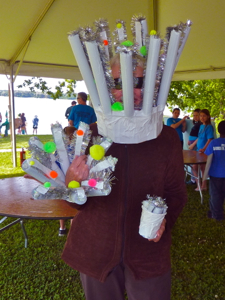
[(48, 51)]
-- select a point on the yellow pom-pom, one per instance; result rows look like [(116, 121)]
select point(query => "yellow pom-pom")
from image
[(119, 25), (73, 184), (31, 163), (153, 32), (97, 152)]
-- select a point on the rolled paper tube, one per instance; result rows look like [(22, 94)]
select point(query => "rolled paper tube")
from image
[(138, 34), (120, 32), (40, 172), (169, 67), (99, 76), (103, 36), (144, 31), (61, 149), (150, 77), (56, 168), (37, 142), (186, 34), (127, 83), (85, 69)]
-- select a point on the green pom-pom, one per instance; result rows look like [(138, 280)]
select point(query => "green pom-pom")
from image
[(73, 184), (153, 32), (97, 152), (143, 50), (127, 43), (119, 25), (117, 106), (47, 184), (49, 147)]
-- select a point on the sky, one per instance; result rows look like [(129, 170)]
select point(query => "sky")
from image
[(52, 82)]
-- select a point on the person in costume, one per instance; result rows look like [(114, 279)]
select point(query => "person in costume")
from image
[(82, 112), (205, 135), (104, 243), (216, 148), (178, 124)]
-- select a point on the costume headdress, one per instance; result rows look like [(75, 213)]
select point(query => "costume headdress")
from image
[(93, 50)]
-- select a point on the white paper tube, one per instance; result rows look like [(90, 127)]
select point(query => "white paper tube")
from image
[(99, 76), (127, 83), (61, 149), (120, 32), (138, 34), (33, 171), (85, 69), (54, 166), (104, 37), (150, 77), (187, 31), (169, 67), (144, 31)]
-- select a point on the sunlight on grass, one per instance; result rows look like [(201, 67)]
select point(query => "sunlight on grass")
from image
[(6, 165), (22, 141)]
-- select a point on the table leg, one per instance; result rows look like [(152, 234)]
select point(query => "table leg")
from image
[(199, 185), (13, 223), (24, 233)]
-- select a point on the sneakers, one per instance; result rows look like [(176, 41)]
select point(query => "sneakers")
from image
[(62, 232), (190, 182)]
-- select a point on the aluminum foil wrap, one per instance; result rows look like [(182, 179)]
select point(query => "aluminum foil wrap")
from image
[(77, 195)]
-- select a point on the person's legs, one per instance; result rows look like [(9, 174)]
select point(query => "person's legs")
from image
[(156, 288), (204, 183), (62, 228), (217, 195), (112, 289)]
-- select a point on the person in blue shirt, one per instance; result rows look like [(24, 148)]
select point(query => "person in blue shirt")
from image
[(205, 135), (82, 112), (194, 135), (216, 148), (35, 124), (178, 124)]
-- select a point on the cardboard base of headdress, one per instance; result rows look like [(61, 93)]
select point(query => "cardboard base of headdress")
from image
[(134, 130)]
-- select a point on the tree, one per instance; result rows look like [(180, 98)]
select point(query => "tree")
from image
[(36, 84), (189, 95)]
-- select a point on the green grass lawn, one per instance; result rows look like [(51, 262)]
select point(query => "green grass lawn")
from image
[(37, 272), (6, 164)]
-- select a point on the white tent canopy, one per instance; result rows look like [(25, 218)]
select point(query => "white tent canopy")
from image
[(35, 33)]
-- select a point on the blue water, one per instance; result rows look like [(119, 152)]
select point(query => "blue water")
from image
[(48, 111)]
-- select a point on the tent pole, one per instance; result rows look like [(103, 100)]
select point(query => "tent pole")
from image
[(12, 104)]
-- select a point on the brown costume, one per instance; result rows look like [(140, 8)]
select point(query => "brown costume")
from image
[(105, 231)]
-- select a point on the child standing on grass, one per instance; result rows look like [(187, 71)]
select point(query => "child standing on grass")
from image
[(217, 174)]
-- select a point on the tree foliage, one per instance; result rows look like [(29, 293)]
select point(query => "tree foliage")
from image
[(189, 95), (36, 84)]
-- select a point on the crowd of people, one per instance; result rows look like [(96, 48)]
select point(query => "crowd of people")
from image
[(201, 139)]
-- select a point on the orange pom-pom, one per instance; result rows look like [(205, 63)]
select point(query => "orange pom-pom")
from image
[(105, 42), (80, 132), (53, 174)]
